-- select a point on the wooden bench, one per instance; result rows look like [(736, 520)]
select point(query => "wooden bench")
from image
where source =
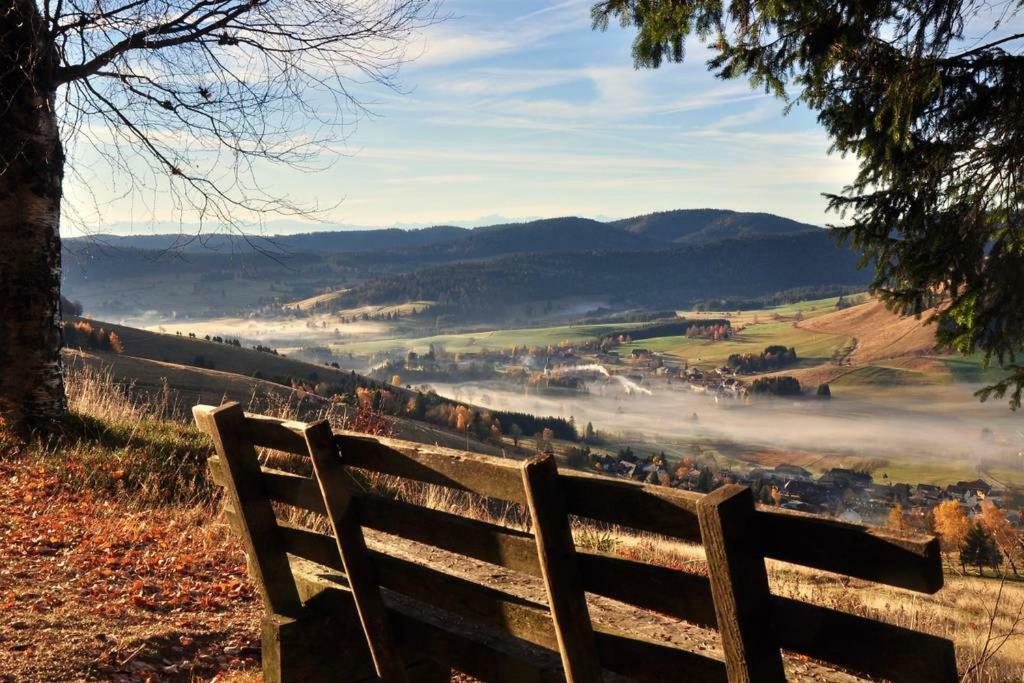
[(338, 610)]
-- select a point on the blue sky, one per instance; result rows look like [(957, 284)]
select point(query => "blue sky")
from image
[(518, 109)]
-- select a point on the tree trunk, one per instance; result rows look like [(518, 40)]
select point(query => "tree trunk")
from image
[(31, 172)]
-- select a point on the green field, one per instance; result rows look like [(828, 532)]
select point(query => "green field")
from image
[(806, 309), (971, 369), (812, 348), (493, 339)]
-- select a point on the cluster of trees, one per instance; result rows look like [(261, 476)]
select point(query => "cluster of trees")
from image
[(676, 326), (386, 316), (486, 425), (984, 541), (234, 342), (713, 332), (265, 349), (83, 335), (774, 357), (220, 340), (776, 386), (844, 302), (430, 373)]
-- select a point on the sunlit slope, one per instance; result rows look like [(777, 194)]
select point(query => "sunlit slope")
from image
[(172, 348), (184, 386), (491, 339), (813, 348), (880, 333)]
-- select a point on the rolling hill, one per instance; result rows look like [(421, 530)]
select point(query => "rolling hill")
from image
[(699, 226), (662, 259), (690, 226), (211, 355), (668, 277), (549, 236)]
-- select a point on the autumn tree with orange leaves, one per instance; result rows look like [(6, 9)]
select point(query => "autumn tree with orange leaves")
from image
[(993, 520), (896, 519), (951, 524)]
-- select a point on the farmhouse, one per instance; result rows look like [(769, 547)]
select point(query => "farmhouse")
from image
[(840, 477)]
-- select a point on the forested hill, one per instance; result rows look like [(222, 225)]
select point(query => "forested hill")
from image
[(551, 235), (698, 226), (570, 233), (664, 259), (669, 277)]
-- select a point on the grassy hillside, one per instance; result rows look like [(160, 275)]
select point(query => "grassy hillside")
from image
[(813, 348), (181, 385), (489, 339), (880, 333), (184, 350)]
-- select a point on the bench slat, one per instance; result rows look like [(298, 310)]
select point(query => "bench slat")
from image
[(905, 561), (483, 475), (351, 546), (278, 435), (868, 553), (800, 627), (520, 618), (560, 569)]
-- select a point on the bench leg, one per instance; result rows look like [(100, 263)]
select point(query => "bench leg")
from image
[(314, 648), (322, 648)]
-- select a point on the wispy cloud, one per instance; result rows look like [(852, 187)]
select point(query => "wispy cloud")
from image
[(520, 109)]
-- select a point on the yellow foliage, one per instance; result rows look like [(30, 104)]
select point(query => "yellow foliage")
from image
[(896, 519), (951, 524)]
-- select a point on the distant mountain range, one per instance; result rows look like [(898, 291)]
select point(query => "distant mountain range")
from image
[(651, 231), (665, 259)]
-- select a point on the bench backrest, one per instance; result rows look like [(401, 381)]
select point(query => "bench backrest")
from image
[(737, 536)]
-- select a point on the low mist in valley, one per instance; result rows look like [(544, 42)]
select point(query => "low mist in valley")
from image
[(941, 425)]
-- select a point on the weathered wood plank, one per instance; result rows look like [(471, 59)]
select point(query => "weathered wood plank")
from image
[(559, 569), (244, 490), (673, 592), (910, 561), (486, 654), (867, 647), (646, 660), (481, 474), (278, 435), (483, 541), (907, 561), (518, 617), (739, 586), (338, 502)]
